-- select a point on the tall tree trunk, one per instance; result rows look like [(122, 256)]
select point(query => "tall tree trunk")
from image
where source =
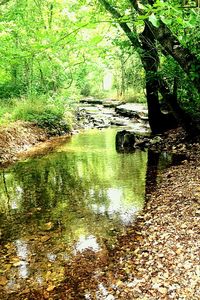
[(150, 60), (183, 56), (184, 119)]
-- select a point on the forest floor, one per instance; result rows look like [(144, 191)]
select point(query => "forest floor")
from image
[(157, 257)]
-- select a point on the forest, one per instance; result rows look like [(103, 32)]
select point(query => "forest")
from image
[(99, 149), (54, 53)]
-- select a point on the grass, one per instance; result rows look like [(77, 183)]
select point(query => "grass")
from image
[(46, 112)]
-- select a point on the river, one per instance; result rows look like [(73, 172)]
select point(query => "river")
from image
[(80, 196)]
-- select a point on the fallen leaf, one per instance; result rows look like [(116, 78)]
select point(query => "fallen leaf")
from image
[(3, 280), (162, 290), (45, 238), (50, 288)]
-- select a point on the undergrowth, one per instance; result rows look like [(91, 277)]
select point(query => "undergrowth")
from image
[(53, 114)]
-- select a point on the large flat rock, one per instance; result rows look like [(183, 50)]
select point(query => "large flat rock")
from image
[(132, 110)]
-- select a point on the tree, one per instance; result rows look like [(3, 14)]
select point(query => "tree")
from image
[(43, 46), (146, 45)]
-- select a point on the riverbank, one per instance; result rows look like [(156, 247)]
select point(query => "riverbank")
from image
[(19, 137), (157, 257)]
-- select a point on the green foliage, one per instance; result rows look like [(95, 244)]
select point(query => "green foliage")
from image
[(65, 48), (56, 48), (154, 20), (44, 113), (56, 115)]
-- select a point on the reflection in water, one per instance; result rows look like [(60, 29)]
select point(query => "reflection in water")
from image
[(22, 253), (84, 243), (117, 206), (76, 198)]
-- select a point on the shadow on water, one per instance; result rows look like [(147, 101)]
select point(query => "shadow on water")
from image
[(157, 161), (54, 207)]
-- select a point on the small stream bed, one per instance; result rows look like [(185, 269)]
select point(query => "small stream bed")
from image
[(54, 207)]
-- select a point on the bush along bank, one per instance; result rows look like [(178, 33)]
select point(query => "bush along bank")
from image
[(30, 121)]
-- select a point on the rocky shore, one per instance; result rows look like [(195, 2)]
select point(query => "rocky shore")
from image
[(102, 114)]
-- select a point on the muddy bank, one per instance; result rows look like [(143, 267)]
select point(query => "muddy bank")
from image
[(18, 137)]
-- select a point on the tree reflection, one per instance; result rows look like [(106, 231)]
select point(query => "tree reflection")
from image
[(56, 206), (75, 189)]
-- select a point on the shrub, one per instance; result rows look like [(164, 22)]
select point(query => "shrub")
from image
[(46, 113)]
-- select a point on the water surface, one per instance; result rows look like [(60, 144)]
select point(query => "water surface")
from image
[(55, 206)]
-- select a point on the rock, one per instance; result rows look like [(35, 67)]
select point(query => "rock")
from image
[(142, 143), (119, 121), (91, 115), (135, 110), (155, 140), (125, 141), (111, 103), (91, 101)]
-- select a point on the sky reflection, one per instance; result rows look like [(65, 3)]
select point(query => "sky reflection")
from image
[(88, 242)]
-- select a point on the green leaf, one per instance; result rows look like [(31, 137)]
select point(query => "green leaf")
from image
[(154, 20), (167, 21), (96, 39)]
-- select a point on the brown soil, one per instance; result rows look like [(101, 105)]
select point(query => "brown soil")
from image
[(17, 139)]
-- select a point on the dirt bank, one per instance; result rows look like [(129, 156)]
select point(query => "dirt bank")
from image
[(19, 137), (158, 258)]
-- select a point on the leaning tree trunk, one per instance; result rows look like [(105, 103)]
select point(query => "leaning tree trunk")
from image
[(148, 53), (183, 56), (158, 121)]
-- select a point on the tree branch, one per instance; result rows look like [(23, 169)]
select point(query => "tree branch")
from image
[(187, 61), (132, 37)]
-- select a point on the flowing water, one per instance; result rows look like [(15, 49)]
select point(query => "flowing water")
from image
[(53, 207)]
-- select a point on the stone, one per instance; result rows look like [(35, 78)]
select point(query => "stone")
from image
[(125, 141), (136, 110)]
